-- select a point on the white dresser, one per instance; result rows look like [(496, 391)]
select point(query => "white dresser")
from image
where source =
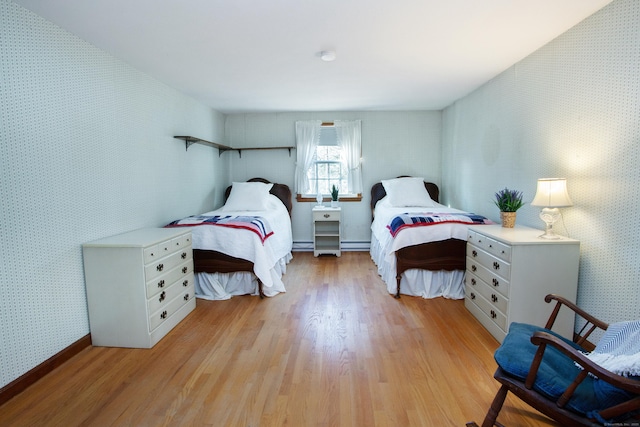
[(139, 285), (509, 272), (326, 231)]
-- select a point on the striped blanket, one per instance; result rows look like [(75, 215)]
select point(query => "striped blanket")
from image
[(256, 224), (406, 220), (619, 349)]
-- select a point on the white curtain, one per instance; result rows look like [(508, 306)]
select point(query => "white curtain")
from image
[(348, 133), (307, 139)]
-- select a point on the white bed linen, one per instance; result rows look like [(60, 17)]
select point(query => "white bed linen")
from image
[(269, 260), (423, 283)]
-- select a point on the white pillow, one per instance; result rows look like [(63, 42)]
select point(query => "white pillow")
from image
[(248, 196), (409, 191)]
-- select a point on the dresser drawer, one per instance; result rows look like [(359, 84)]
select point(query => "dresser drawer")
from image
[(162, 298), (490, 245), (181, 242), (494, 281), (495, 315), (498, 300), (162, 282), (165, 264), (328, 215), (165, 312), (155, 252), (489, 261)]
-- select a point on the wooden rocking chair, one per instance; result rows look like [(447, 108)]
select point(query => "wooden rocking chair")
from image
[(539, 367)]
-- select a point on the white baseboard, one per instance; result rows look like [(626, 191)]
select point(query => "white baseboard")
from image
[(349, 245)]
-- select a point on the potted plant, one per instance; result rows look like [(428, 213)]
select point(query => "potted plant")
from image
[(508, 201), (334, 196)]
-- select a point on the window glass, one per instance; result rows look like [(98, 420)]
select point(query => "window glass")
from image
[(327, 170)]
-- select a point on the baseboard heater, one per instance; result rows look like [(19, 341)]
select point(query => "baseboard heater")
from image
[(347, 245)]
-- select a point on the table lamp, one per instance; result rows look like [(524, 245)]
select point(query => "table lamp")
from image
[(551, 194)]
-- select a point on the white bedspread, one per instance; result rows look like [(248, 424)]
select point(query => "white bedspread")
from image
[(269, 260), (424, 283)]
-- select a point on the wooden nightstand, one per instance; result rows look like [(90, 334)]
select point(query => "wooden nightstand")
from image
[(326, 231)]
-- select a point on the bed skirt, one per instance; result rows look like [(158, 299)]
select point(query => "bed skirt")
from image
[(222, 286), (415, 282)]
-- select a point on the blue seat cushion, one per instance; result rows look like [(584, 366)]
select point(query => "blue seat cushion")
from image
[(556, 371)]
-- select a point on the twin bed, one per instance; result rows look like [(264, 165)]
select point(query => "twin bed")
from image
[(414, 259), (244, 246)]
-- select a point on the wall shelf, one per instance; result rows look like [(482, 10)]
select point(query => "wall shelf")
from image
[(189, 140)]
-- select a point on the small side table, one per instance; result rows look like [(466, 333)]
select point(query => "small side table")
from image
[(326, 230)]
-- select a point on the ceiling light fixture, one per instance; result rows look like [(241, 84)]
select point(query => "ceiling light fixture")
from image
[(327, 55)]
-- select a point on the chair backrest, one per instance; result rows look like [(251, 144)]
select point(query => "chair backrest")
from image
[(553, 374)]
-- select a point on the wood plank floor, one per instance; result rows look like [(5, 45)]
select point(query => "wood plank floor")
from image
[(334, 350)]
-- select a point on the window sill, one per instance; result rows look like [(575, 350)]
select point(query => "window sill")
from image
[(348, 198)]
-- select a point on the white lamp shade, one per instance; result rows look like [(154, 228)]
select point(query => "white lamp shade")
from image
[(552, 192)]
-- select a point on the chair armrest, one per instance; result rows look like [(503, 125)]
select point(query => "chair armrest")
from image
[(541, 338), (581, 337)]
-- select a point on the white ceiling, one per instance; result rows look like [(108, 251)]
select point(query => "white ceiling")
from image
[(262, 55)]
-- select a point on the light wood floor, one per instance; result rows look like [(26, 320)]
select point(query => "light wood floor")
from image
[(334, 350)]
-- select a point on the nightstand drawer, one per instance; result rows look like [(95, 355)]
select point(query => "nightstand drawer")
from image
[(326, 215)]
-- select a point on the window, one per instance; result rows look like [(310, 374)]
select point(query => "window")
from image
[(327, 169), (327, 156)]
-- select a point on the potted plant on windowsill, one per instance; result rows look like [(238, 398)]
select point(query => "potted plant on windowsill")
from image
[(334, 196), (508, 201)]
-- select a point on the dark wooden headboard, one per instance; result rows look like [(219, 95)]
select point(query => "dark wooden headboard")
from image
[(377, 192), (281, 191)]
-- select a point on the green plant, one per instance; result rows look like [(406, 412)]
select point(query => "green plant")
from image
[(334, 193), (509, 200)]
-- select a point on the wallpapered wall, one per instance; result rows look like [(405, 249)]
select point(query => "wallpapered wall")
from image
[(571, 109), (393, 143), (86, 151)]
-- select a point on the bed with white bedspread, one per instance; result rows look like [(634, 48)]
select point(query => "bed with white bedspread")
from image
[(426, 260), (244, 246)]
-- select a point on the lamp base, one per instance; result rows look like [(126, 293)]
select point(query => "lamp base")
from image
[(549, 235), (549, 216)]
